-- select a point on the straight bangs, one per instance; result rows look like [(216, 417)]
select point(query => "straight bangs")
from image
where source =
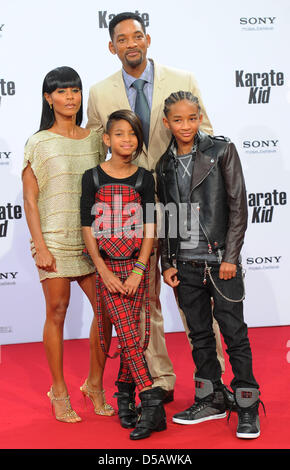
[(61, 77)]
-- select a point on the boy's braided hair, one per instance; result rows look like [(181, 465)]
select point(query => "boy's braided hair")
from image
[(179, 96)]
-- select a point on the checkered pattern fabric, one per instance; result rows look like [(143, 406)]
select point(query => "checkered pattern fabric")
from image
[(118, 220), (124, 313)]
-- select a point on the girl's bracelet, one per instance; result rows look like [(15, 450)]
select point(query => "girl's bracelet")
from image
[(136, 272), (140, 262), (140, 265)]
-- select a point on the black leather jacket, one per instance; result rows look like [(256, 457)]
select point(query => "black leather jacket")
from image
[(218, 187)]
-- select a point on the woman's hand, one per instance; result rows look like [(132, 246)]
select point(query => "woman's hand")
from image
[(45, 260), (132, 283)]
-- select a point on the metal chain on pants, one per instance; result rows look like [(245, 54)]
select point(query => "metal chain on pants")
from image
[(208, 270)]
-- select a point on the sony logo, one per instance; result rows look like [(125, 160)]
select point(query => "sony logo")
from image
[(11, 275), (264, 260), (4, 155), (254, 20), (260, 143)]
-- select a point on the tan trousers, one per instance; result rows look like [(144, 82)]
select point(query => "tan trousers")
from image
[(160, 366)]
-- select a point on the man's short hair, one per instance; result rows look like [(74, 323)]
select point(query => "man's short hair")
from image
[(127, 15)]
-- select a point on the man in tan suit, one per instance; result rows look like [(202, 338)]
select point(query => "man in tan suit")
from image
[(130, 42)]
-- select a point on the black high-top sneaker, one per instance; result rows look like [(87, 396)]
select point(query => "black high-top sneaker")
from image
[(209, 404), (229, 399), (247, 400)]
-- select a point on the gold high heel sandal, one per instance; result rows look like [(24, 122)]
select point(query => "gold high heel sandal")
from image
[(105, 409), (69, 416)]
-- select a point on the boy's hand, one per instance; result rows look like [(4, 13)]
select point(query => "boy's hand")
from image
[(227, 271), (170, 277)]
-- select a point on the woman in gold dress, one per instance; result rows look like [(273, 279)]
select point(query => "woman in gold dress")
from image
[(55, 159)]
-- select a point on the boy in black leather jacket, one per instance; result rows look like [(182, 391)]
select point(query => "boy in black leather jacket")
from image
[(201, 189)]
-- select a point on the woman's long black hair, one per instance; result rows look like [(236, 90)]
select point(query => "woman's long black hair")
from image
[(61, 77)]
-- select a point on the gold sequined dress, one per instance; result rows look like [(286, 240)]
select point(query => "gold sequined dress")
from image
[(58, 164)]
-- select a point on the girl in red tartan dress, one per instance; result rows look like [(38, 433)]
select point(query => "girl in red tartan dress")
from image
[(122, 196)]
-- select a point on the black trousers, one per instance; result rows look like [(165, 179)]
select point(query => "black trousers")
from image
[(194, 298)]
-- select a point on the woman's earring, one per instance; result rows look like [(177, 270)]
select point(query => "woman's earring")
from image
[(50, 106)]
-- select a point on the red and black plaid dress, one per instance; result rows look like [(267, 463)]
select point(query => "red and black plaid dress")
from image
[(118, 228)]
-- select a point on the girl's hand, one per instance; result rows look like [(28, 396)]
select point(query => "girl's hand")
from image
[(45, 260), (111, 281), (132, 283), (170, 277)]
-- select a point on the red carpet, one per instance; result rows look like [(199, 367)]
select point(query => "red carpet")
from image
[(27, 423)]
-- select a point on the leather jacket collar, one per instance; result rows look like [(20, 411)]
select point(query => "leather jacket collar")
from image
[(204, 160)]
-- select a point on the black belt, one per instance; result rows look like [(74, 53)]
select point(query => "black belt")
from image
[(199, 264)]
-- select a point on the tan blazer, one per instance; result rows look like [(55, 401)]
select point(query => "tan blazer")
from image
[(110, 95)]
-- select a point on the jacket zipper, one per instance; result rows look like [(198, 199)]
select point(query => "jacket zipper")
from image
[(202, 228), (208, 242)]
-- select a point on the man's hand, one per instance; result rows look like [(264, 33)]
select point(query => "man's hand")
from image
[(227, 271), (170, 277)]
